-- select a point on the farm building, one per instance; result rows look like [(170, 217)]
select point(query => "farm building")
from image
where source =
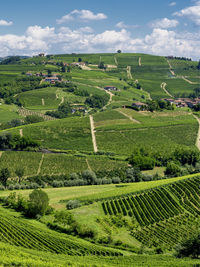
[(138, 105), (51, 79), (110, 88)]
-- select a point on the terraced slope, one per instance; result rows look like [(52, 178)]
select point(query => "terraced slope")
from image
[(163, 216), (19, 232)]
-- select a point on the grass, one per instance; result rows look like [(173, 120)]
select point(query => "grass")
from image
[(97, 192), (8, 113)]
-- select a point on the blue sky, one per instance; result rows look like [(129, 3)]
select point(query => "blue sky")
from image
[(88, 26)]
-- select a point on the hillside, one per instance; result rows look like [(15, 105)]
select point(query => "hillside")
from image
[(113, 133)]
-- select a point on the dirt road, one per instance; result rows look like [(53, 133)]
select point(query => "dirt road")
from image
[(163, 86), (93, 134)]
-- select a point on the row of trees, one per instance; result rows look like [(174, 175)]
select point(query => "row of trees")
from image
[(17, 142)]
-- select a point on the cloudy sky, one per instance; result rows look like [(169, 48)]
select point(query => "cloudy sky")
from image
[(87, 26)]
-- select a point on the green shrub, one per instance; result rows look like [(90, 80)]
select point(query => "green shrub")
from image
[(73, 204)]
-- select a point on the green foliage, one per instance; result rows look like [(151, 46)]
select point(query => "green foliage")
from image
[(97, 101), (33, 119), (173, 169), (38, 203), (4, 175), (16, 142), (73, 204), (189, 247), (63, 217)]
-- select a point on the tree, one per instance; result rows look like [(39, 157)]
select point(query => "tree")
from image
[(101, 66), (89, 176), (4, 175), (198, 66), (38, 203), (189, 247), (49, 72), (119, 51), (172, 169), (20, 173), (79, 59), (33, 119), (64, 217), (63, 69)]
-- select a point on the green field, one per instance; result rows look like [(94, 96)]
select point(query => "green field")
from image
[(130, 222)]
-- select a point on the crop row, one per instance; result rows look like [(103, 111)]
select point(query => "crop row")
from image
[(18, 233)]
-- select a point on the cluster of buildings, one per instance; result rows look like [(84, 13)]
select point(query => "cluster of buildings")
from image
[(52, 79), (183, 102)]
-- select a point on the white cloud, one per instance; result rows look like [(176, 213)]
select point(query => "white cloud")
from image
[(164, 23), (5, 23), (81, 15), (38, 32), (172, 4), (192, 12), (65, 40), (122, 25)]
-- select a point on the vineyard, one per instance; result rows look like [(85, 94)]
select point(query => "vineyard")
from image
[(17, 232), (163, 216)]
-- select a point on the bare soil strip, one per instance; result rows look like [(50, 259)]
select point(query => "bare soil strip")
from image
[(21, 132), (163, 86), (62, 101), (93, 134), (140, 63), (85, 68), (43, 102), (129, 75), (40, 164), (115, 59), (130, 118), (198, 135), (89, 168), (171, 69), (190, 82)]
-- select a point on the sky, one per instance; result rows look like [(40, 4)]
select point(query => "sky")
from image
[(159, 27)]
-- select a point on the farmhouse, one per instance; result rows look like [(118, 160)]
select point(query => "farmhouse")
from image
[(110, 88), (51, 79), (138, 105), (29, 74)]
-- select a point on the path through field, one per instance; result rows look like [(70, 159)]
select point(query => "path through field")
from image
[(43, 102), (93, 134), (139, 62), (129, 75), (163, 86), (198, 135), (190, 82), (1, 153), (89, 168), (21, 132), (170, 68), (130, 118), (115, 59), (62, 100), (85, 68), (40, 164)]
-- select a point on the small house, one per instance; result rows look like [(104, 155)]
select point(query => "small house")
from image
[(110, 88)]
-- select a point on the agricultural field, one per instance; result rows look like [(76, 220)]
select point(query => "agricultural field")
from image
[(8, 113), (141, 129), (124, 219)]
